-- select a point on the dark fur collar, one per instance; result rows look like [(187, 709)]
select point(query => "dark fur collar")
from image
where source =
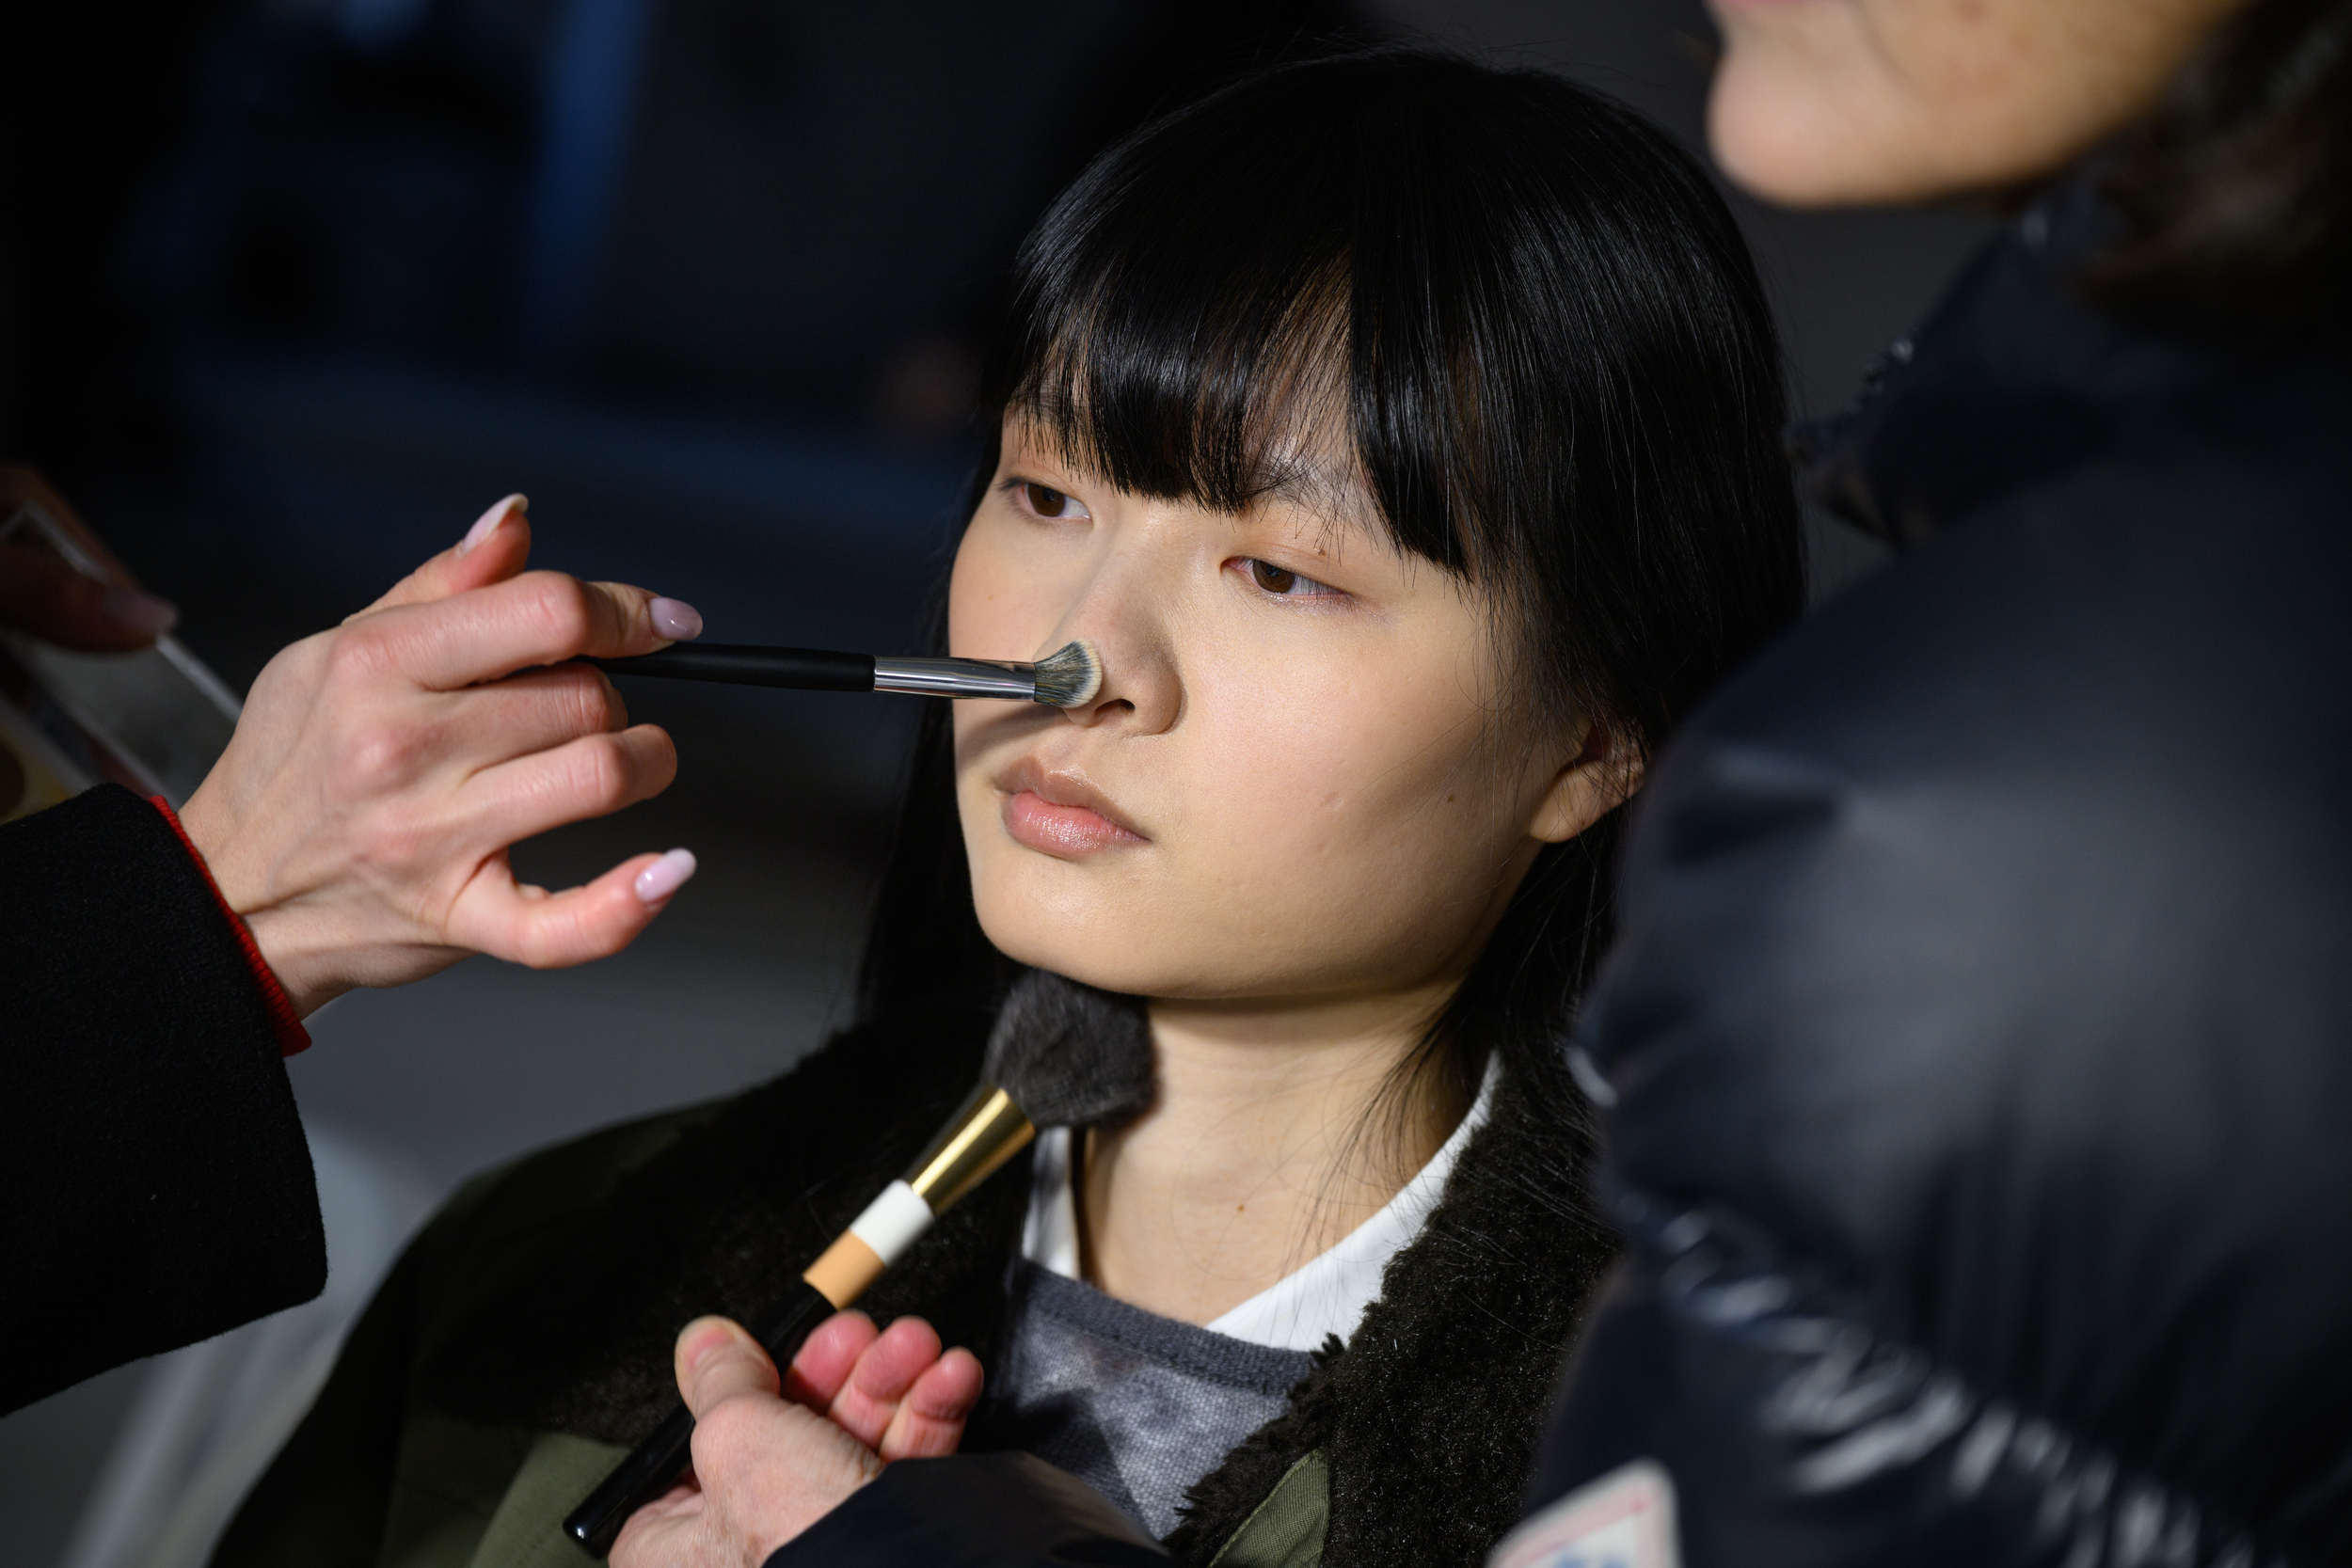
[(1428, 1419)]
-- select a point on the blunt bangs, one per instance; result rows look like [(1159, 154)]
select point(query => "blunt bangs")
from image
[(1215, 375), (1503, 305)]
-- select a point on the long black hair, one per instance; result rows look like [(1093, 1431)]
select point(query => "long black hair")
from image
[(1537, 322)]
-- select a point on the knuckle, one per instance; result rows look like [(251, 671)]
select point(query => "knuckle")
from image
[(535, 947), (606, 773), (722, 1434), (378, 755), (353, 653), (559, 606), (588, 703)]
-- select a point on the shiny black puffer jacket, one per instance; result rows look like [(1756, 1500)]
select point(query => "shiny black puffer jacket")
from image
[(1981, 1024)]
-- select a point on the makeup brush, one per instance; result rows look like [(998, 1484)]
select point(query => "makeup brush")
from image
[(1066, 678), (1061, 1054)]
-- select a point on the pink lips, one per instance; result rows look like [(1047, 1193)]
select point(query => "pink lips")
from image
[(1061, 813)]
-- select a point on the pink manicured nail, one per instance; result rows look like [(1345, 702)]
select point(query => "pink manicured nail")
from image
[(140, 612), (664, 876), (676, 620), (488, 523)]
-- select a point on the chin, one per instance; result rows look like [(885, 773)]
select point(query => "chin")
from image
[(1116, 948), (1074, 937), (1806, 138), (1087, 957), (1774, 143)]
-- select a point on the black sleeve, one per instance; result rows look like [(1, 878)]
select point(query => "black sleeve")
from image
[(973, 1510), (158, 1187)]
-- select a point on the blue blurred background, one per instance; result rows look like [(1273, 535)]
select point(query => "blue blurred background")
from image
[(291, 289)]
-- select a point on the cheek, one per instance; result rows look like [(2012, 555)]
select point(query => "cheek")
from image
[(980, 601), (1355, 808)]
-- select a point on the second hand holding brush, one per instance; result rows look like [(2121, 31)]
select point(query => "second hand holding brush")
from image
[(1061, 1054)]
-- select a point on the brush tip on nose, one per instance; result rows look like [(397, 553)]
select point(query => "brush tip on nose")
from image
[(1071, 676)]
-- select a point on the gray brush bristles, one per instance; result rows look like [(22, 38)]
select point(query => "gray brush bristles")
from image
[(1070, 1055), (1070, 677)]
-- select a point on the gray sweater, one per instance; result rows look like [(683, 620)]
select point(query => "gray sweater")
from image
[(1138, 1405)]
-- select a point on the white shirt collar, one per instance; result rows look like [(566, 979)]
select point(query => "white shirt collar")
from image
[(1325, 1296)]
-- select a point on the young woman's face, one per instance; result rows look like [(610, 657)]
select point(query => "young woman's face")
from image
[(1297, 780)]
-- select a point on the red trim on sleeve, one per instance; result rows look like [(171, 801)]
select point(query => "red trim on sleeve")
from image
[(283, 1021)]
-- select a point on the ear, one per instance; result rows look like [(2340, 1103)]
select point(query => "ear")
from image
[(1603, 775)]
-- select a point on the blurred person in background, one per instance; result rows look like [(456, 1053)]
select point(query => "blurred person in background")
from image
[(1981, 1050), (1974, 1059)]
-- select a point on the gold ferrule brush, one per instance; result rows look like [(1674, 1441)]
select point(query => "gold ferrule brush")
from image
[(1068, 1056), (988, 1131), (985, 1132)]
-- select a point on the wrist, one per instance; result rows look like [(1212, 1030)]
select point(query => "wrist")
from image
[(284, 1010), (205, 824), (307, 969), (321, 950)]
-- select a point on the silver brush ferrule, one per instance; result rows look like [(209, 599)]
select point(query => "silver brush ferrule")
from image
[(956, 677)]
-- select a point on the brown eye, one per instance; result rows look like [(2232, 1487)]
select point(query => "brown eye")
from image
[(1272, 578), (1044, 502)]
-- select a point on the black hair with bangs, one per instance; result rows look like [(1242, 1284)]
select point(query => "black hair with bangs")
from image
[(1536, 320)]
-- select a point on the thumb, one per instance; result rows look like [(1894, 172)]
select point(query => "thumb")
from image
[(495, 548), (41, 595), (719, 1360)]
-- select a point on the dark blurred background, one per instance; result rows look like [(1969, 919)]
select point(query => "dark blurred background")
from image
[(291, 289)]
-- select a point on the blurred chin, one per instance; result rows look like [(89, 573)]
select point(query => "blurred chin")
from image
[(1812, 107), (1802, 138)]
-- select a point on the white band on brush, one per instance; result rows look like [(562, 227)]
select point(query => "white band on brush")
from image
[(892, 1221)]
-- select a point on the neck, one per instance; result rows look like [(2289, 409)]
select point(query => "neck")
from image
[(1272, 1138)]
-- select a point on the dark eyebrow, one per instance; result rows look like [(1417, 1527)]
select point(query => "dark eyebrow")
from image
[(1340, 492)]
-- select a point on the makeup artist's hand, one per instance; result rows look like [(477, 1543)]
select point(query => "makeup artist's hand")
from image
[(769, 1463), (360, 818)]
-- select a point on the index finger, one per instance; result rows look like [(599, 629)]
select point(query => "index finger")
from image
[(537, 618), (826, 1357), (496, 547)]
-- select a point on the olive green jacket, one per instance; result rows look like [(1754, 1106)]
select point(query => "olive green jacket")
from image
[(524, 1340)]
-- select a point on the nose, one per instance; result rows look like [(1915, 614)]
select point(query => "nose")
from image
[(1141, 690)]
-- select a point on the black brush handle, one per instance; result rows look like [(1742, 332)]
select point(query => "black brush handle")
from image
[(744, 664), (655, 1465)]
